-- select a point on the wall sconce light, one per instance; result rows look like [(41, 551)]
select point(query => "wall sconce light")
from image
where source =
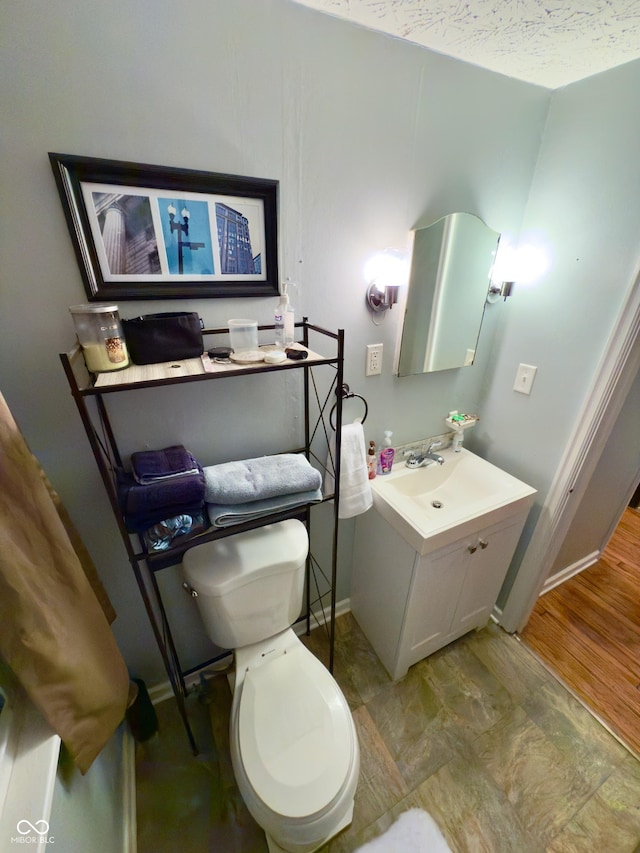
[(504, 267), (380, 300), (525, 263), (497, 290), (385, 273)]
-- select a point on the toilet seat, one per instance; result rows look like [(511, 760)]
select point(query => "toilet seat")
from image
[(295, 735)]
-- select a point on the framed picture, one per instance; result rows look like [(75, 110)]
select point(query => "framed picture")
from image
[(153, 232)]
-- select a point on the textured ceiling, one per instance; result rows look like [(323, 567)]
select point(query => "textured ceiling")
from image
[(548, 42)]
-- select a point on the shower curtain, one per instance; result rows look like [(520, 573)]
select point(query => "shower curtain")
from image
[(54, 612)]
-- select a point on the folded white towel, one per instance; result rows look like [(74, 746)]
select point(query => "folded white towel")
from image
[(355, 489), (258, 479)]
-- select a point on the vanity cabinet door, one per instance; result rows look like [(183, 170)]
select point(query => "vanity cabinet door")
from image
[(486, 567), (454, 590), (436, 590)]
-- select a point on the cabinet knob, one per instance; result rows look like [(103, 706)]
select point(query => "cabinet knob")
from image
[(472, 549), (483, 543)]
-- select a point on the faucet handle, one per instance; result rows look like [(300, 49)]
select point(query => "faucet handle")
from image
[(434, 445)]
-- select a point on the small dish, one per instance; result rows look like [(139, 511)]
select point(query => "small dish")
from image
[(247, 356), (220, 355)]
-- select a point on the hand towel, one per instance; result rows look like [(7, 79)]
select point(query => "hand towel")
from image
[(225, 515), (261, 478), (151, 465), (355, 489)]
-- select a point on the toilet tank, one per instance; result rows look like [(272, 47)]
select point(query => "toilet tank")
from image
[(250, 585)]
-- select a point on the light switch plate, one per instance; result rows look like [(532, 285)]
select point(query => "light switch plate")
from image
[(525, 375)]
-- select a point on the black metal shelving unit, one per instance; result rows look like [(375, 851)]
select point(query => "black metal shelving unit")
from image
[(91, 393)]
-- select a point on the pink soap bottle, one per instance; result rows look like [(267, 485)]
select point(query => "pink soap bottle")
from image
[(386, 454)]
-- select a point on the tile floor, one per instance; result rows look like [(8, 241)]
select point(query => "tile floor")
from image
[(479, 734)]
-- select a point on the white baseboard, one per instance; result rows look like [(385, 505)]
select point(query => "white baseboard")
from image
[(570, 571), (342, 607), (160, 692)]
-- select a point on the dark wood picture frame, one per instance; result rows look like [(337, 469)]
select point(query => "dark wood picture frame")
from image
[(154, 232)]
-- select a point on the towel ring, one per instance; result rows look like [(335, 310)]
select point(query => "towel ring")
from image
[(347, 394)]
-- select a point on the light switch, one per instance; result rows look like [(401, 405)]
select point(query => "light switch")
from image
[(524, 378)]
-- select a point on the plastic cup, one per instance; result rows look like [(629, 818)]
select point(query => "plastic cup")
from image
[(243, 335)]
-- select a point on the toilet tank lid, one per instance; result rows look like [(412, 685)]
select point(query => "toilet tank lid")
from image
[(216, 568)]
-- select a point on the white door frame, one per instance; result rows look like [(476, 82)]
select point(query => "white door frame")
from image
[(613, 379)]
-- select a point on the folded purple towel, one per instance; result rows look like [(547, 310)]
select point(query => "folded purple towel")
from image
[(140, 523), (150, 466), (144, 505)]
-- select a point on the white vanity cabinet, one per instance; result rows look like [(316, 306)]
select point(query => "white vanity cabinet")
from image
[(409, 605)]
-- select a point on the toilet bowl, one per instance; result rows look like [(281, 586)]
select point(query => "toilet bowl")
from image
[(294, 747)]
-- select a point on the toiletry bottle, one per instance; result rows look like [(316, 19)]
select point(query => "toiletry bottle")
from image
[(289, 320), (386, 454), (283, 318), (371, 460), (278, 320)]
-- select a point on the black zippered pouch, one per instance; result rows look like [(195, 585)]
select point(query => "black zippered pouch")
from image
[(170, 336)]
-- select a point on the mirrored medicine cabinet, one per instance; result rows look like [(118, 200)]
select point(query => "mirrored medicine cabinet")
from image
[(450, 275)]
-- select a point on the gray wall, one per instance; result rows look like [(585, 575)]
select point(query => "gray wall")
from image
[(585, 206), (369, 138)]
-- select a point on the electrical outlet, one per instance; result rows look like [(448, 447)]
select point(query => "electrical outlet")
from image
[(374, 360)]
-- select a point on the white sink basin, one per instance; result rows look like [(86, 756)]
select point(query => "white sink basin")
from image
[(437, 504)]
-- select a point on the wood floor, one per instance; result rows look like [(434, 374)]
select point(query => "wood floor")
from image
[(588, 631)]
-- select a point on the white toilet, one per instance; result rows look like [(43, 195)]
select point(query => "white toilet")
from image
[(294, 747)]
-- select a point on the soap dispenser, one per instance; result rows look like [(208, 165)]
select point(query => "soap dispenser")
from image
[(386, 454)]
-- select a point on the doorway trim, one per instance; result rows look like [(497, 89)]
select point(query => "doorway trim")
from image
[(614, 376)]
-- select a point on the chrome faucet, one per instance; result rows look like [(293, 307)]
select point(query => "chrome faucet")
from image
[(428, 457)]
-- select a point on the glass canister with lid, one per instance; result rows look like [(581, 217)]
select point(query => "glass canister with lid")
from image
[(101, 337)]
